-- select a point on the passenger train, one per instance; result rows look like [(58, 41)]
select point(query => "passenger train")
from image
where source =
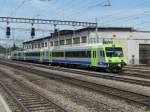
[(107, 56)]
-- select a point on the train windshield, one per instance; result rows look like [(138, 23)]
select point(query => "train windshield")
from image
[(114, 52)]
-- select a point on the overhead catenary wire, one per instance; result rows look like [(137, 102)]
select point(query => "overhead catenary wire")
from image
[(80, 13), (74, 7), (18, 7), (21, 4), (121, 12), (89, 7), (85, 7), (58, 8), (82, 8), (127, 18), (143, 24), (4, 2), (109, 20)]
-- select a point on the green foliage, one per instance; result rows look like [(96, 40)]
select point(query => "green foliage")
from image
[(2, 50)]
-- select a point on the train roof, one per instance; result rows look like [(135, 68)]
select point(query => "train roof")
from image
[(87, 46)]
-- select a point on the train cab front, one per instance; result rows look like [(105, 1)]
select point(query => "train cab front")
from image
[(114, 58)]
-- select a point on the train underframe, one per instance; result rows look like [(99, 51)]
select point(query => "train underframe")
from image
[(111, 68), (115, 68)]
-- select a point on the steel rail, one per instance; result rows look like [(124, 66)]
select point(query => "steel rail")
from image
[(115, 77), (134, 97), (27, 98), (23, 108)]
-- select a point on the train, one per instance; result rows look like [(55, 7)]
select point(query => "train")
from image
[(106, 56)]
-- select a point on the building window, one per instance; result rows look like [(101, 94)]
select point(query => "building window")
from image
[(84, 39), (51, 44), (36, 45), (56, 43), (68, 41), (62, 42), (39, 45), (42, 44), (45, 44), (76, 40)]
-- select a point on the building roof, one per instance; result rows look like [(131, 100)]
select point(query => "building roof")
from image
[(108, 29)]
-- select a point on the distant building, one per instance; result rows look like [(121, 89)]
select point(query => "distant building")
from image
[(136, 44)]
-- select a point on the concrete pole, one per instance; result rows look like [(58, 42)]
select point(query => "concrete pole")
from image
[(74, 34), (96, 30)]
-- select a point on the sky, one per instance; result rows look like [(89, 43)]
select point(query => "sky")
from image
[(109, 13)]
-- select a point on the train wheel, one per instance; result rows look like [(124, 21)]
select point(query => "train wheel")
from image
[(108, 70)]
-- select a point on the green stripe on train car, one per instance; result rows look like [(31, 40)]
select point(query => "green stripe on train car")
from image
[(50, 56), (17, 53), (24, 55), (41, 56)]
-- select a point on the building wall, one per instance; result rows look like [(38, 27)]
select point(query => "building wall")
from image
[(129, 40), (133, 45)]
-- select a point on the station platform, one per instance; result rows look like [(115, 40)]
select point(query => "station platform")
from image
[(3, 105)]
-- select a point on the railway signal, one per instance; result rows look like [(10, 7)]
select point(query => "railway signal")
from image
[(32, 32), (8, 31)]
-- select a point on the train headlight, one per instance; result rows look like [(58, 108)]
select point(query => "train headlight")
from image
[(119, 65)]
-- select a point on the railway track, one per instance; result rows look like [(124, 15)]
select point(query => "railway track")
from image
[(27, 99), (137, 71), (127, 95), (120, 77)]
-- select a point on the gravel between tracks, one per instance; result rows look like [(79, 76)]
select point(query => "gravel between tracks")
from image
[(76, 99), (13, 106)]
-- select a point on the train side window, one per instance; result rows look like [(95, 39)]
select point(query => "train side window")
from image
[(101, 53), (88, 54), (78, 54)]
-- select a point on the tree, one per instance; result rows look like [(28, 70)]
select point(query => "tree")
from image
[(14, 47)]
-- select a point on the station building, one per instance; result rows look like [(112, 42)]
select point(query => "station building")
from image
[(136, 44)]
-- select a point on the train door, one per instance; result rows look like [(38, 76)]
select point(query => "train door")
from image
[(94, 56), (101, 56)]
